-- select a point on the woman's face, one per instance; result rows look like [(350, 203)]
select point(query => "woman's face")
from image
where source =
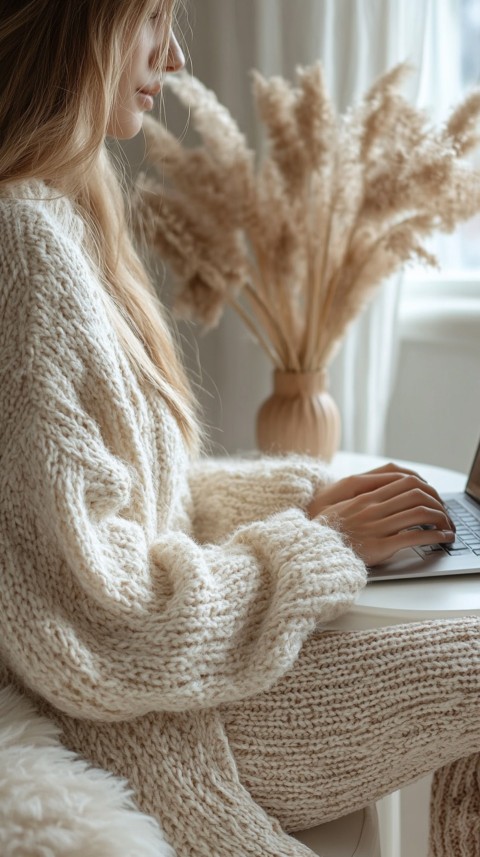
[(140, 80)]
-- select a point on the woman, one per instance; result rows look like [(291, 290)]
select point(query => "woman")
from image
[(166, 609)]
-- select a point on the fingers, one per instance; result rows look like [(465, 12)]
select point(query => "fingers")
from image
[(362, 483), (399, 479), (396, 468), (408, 491), (415, 537), (376, 535), (394, 497), (420, 516), (347, 489), (412, 539), (383, 511), (377, 550)]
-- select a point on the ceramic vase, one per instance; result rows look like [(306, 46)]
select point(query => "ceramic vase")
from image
[(300, 416)]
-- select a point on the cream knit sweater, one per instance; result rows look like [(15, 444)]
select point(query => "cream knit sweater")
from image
[(167, 613), (140, 590)]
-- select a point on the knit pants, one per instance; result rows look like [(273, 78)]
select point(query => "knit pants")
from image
[(362, 714), (358, 716)]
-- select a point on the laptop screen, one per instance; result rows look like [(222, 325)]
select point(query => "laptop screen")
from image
[(473, 484)]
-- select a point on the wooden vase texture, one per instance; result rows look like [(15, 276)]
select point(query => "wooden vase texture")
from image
[(300, 416)]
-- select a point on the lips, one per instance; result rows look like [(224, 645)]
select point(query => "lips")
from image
[(151, 90)]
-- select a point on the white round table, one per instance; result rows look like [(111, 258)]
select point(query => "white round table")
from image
[(404, 815)]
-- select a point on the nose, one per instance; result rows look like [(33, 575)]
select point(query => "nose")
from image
[(175, 56)]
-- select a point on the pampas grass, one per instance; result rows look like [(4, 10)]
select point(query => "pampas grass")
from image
[(298, 243)]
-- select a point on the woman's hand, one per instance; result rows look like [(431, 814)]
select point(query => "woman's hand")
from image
[(380, 512)]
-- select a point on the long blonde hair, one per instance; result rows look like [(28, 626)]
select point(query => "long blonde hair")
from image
[(60, 64)]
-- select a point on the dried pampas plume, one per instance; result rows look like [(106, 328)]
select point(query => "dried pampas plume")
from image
[(298, 243)]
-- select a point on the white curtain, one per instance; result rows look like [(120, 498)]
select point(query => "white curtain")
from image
[(356, 40)]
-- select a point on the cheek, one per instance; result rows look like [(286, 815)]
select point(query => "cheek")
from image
[(126, 117), (139, 60), (133, 74), (127, 81)]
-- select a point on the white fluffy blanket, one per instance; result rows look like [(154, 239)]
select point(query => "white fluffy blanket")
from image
[(53, 804)]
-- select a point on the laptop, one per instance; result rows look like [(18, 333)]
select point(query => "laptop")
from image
[(460, 557)]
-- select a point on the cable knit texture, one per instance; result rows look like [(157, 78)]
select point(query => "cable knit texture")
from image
[(139, 588), (158, 608)]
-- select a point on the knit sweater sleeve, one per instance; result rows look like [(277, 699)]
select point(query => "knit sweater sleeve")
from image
[(228, 492), (103, 613)]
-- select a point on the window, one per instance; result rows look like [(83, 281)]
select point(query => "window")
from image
[(469, 233), (451, 67), (444, 305), (470, 38)]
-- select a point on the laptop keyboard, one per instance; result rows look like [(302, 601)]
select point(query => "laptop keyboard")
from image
[(467, 537)]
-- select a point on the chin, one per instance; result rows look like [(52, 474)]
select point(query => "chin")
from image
[(126, 127)]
